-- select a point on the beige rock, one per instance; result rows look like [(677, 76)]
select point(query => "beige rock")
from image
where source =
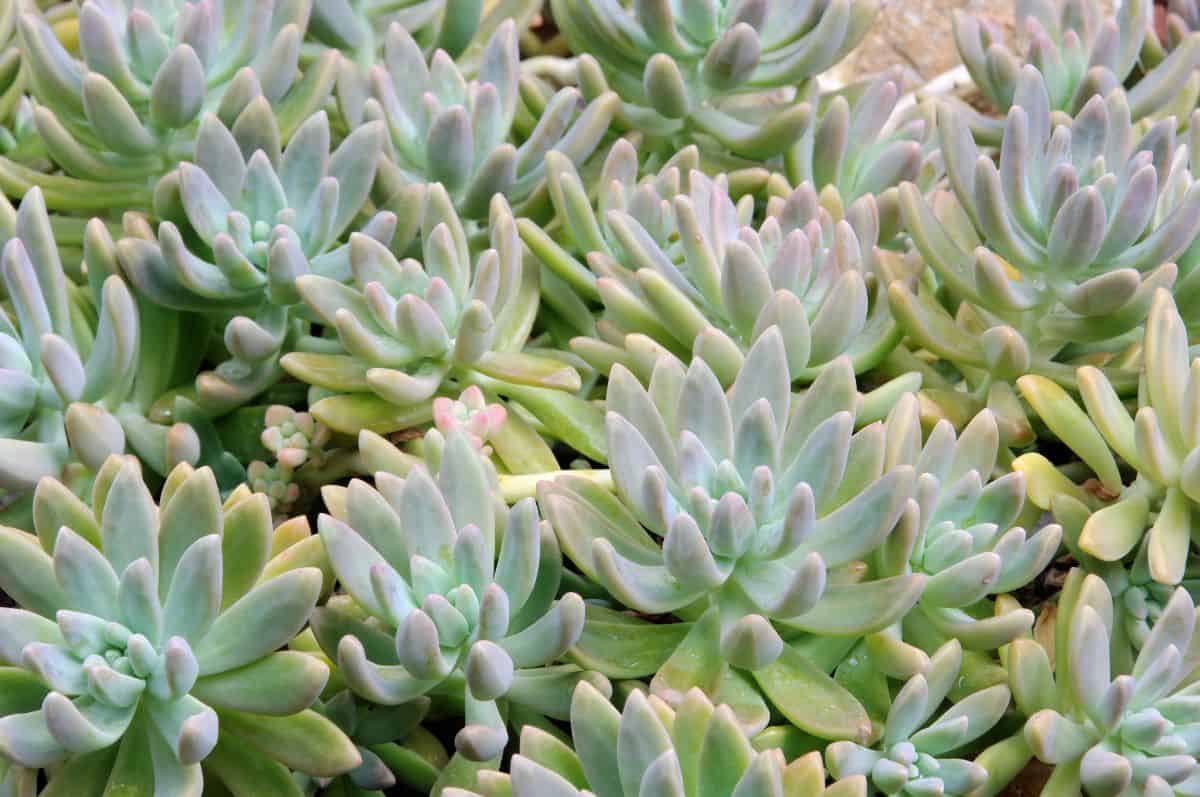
[(916, 35)]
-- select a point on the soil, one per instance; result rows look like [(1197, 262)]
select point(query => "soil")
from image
[(1030, 782)]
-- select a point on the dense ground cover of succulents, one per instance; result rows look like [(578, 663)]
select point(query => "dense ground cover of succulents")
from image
[(497, 398)]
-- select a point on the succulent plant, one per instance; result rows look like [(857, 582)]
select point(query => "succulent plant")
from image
[(963, 535), (295, 438), (674, 259), (126, 111), (720, 427), (510, 438), (407, 332), (1158, 441), (1074, 43), (651, 748), (1110, 731), (763, 502), (961, 532), (444, 129), (374, 728), (1083, 51), (1138, 600), (1054, 254), (276, 482), (569, 286), (513, 446), (45, 303), (448, 590), (297, 441), (910, 756), (358, 29), (469, 413), (861, 142), (241, 225), (356, 26), (147, 642), (724, 74), (79, 378)]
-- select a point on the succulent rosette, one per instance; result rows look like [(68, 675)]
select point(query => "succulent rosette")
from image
[(765, 505), (358, 29), (295, 438), (407, 332), (469, 413), (1082, 50), (862, 142), (146, 647), (297, 441), (678, 266), (444, 128), (1110, 730), (241, 224), (1054, 254), (912, 756), (1139, 601), (126, 110), (357, 26), (727, 75), (962, 533), (379, 733), (580, 225), (1156, 439), (49, 312), (79, 377), (512, 445), (449, 591), (649, 747)]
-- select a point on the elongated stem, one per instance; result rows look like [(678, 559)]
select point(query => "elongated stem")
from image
[(1064, 782), (565, 416), (876, 404), (67, 193), (1003, 761), (336, 466), (560, 70)]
